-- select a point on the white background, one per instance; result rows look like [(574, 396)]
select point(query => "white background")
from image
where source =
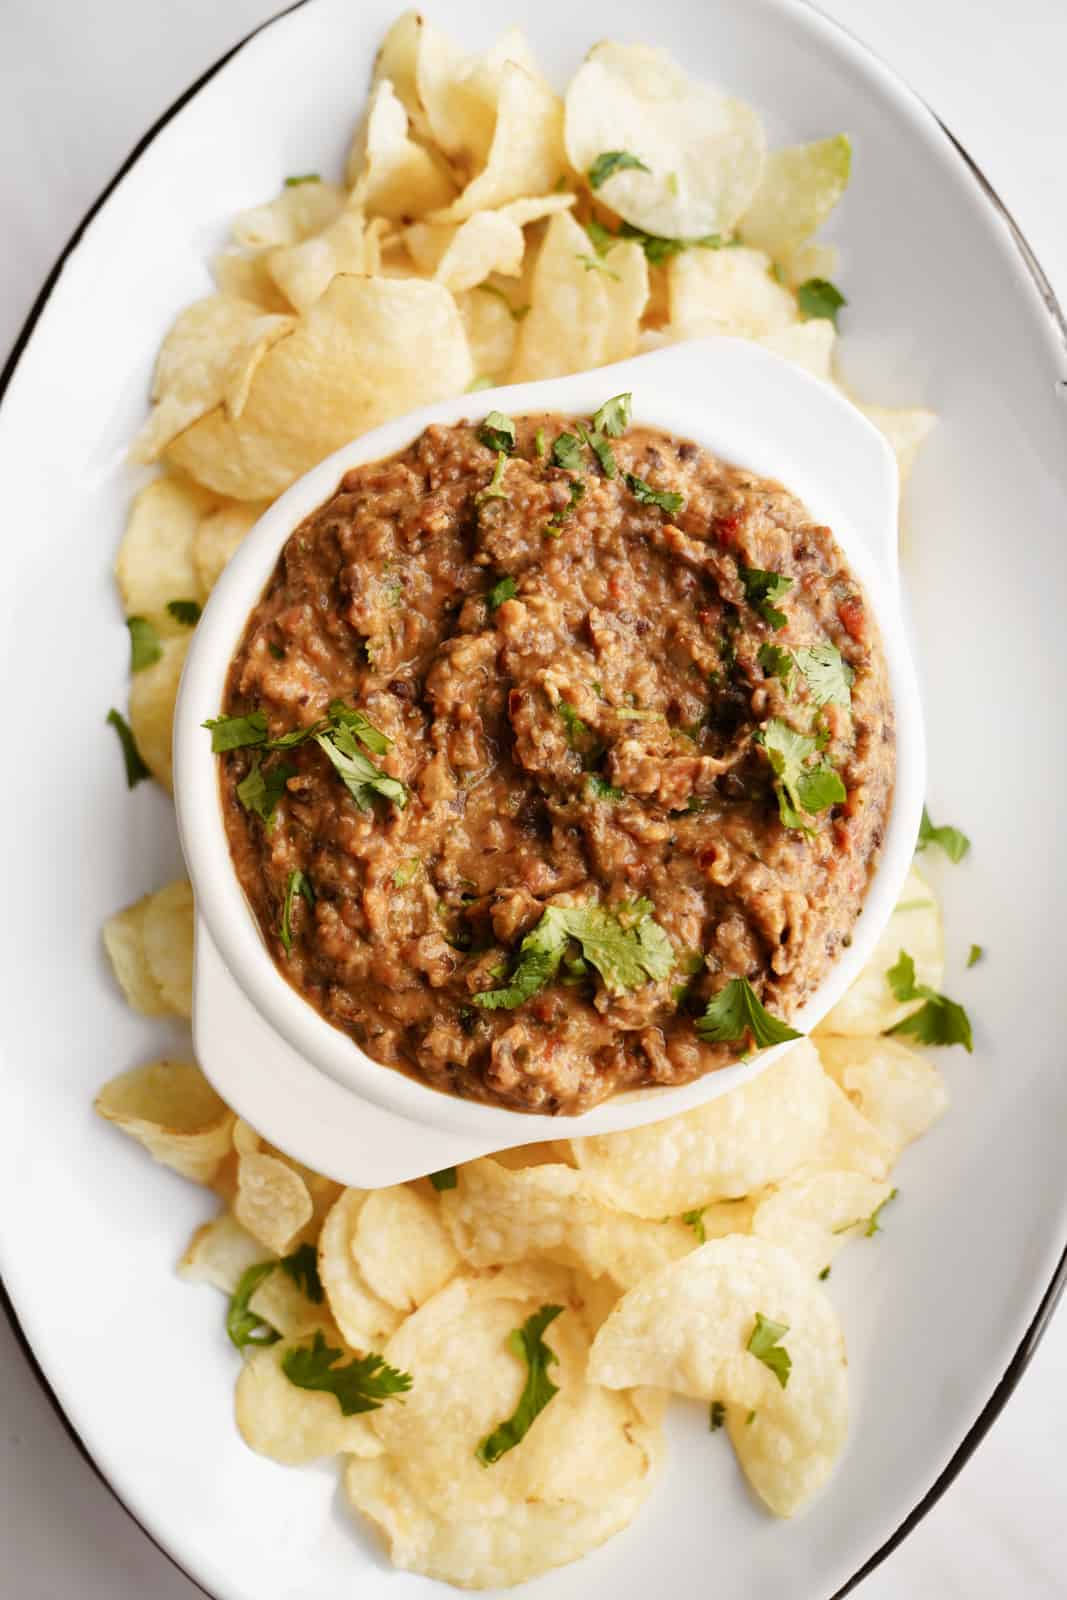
[(79, 85)]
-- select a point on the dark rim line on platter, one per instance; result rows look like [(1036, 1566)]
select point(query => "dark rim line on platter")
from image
[(1034, 1333)]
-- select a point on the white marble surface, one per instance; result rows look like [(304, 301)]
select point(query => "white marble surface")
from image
[(78, 87)]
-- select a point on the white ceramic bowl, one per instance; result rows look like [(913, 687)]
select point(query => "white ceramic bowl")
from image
[(305, 1083)]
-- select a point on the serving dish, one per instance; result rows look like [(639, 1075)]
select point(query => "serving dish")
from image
[(271, 1055), (986, 1192)]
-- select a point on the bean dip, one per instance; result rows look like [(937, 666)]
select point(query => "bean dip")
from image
[(592, 689)]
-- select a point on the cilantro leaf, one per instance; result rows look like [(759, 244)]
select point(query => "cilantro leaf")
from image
[(951, 840), (873, 1225), (298, 884), (667, 499), (445, 1179), (939, 1020), (406, 872), (735, 1012), (517, 312), (497, 431), (357, 772), (242, 1325), (765, 1346), (828, 675), (595, 264), (578, 732), (626, 946), (609, 162), (187, 612), (494, 488), (602, 238), (503, 589), (716, 1416), (554, 526), (304, 177), (613, 417), (528, 1344), (695, 1220), (818, 297), (539, 444), (824, 1274), (601, 448), (567, 452), (145, 645), (362, 1385), (974, 955), (260, 791), (136, 766), (777, 663), (598, 788), (377, 742), (800, 788), (658, 249), (302, 1266), (234, 733), (762, 589)]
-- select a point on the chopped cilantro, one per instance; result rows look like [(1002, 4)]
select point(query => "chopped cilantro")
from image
[(361, 1385), (145, 645), (602, 238), (595, 264), (766, 1347), (494, 489), (554, 526), (304, 177), (517, 312), (302, 1266), (801, 789), (406, 872), (445, 1179), (974, 955), (820, 298), (136, 766), (625, 945), (539, 444), (695, 1220), (824, 1274), (297, 884), (762, 589), (242, 1325), (667, 499), (342, 716), (613, 417), (827, 674), (938, 1020), (260, 791), (601, 448), (234, 733), (503, 589), (358, 773), (609, 162), (276, 651), (777, 663), (529, 1346), (479, 383), (658, 250), (577, 730), (598, 788), (954, 843), (497, 431), (735, 1012), (716, 1416), (750, 1419), (567, 452), (187, 612)]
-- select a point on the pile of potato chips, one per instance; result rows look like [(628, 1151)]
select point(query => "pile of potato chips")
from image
[(482, 235), (479, 237), (663, 1245)]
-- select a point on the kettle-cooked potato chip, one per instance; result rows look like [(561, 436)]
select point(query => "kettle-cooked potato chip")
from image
[(170, 1108), (526, 156), (218, 536), (221, 1251), (365, 1320), (244, 275), (391, 175), (814, 1215), (153, 693), (300, 210), (727, 291), (124, 943), (397, 61), (585, 310), (689, 1328), (870, 1007), (851, 1141), (168, 944), (906, 430), (807, 344), (745, 1139), (293, 1425), (272, 1201), (799, 188), (460, 95), (896, 1089), (401, 1246), (700, 152), (368, 350), (156, 561), (304, 271)]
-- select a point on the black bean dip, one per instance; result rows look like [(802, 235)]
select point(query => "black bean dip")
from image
[(596, 694)]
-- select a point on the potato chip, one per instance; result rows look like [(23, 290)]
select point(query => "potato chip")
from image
[(814, 1216), (221, 1252), (391, 175), (168, 944), (799, 188), (491, 329), (155, 563), (293, 1425), (497, 1217), (526, 156), (153, 692), (905, 430), (460, 94), (851, 1141), (748, 1137), (807, 344), (487, 242), (896, 1089), (304, 271), (397, 62), (202, 363), (218, 536), (401, 1247), (299, 211), (687, 1329), (124, 943), (368, 350), (272, 1201), (702, 150), (585, 309), (244, 275), (869, 1007), (170, 1108), (364, 1319), (553, 1152), (727, 291)]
